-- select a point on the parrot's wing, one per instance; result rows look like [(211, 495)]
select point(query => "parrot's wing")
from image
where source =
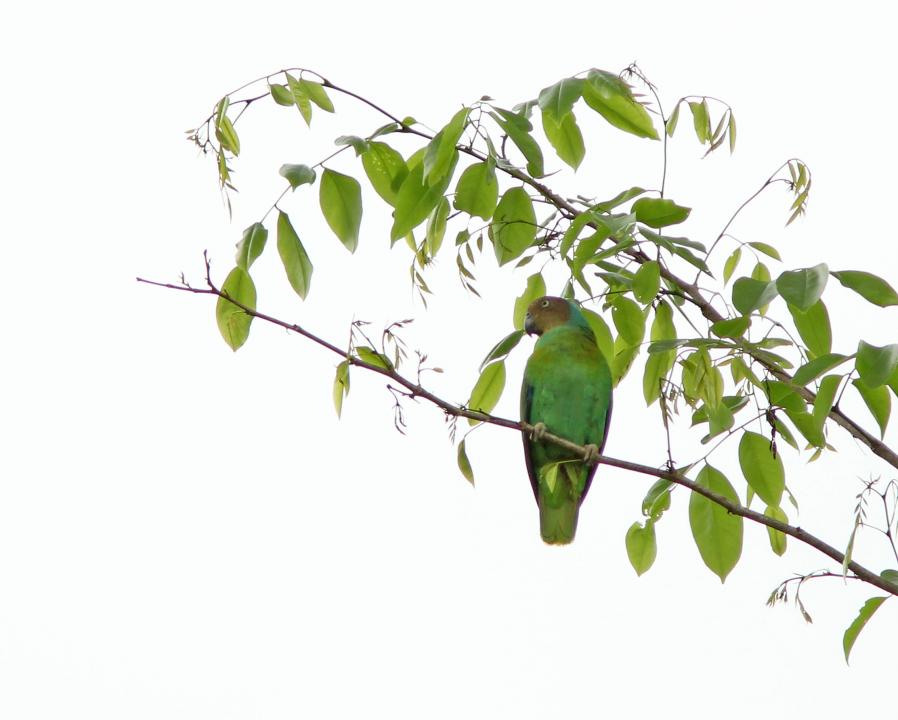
[(526, 403)]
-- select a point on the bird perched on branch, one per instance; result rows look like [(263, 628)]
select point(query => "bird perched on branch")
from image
[(566, 391)]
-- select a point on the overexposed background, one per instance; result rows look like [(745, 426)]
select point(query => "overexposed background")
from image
[(186, 532)]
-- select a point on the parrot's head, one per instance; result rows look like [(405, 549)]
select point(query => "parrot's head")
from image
[(548, 312)]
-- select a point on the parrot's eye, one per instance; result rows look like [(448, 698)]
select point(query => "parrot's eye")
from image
[(544, 303)]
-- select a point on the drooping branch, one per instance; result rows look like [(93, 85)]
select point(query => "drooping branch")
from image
[(416, 390)]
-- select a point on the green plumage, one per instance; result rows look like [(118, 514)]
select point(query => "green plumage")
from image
[(567, 387)]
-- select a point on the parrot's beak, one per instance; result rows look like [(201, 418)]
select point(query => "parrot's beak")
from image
[(529, 325)]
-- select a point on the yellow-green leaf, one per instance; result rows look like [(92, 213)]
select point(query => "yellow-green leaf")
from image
[(717, 533), (233, 322), (340, 197), (488, 389), (293, 256)]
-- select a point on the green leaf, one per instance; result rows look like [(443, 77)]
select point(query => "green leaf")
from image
[(732, 134), (647, 281), (464, 464), (890, 576), (803, 288), (298, 175), (612, 98), (784, 396), (293, 256), (808, 426), (750, 294), (826, 395), (628, 319), (536, 288), (360, 145), (436, 227), (251, 245), (869, 286), (386, 170), (658, 364), (717, 533), (341, 386), (732, 327), (816, 367), (622, 359), (875, 364), (416, 200), (658, 212), (701, 120), (619, 199), (768, 250), (565, 136), (227, 135), (814, 328), (317, 95), (477, 192), (761, 469), (503, 347), (602, 333), (441, 152), (729, 267), (641, 546), (372, 357), (513, 229), (870, 607), (525, 143), (878, 402), (657, 499), (488, 389), (300, 98), (281, 95), (340, 197), (777, 538), (233, 322), (557, 100)]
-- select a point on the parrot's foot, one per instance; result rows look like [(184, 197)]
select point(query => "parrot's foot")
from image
[(539, 430), (591, 456)]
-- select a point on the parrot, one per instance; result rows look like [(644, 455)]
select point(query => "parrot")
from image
[(566, 390)]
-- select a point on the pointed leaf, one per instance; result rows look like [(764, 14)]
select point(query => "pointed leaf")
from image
[(436, 227), (415, 201), (502, 348), (525, 143), (298, 175), (488, 389), (233, 322), (750, 294), (293, 255), (317, 95), (341, 386), (701, 120), (628, 319), (464, 464), (565, 136), (641, 546), (386, 170), (612, 98), (816, 367), (878, 402), (875, 364), (717, 533), (658, 212), (441, 153), (814, 328), (647, 281), (536, 288), (251, 245), (340, 197), (729, 267), (803, 288), (300, 98), (513, 229), (777, 538), (557, 100), (850, 636), (761, 469), (477, 192), (732, 327), (869, 286), (602, 333), (281, 95)]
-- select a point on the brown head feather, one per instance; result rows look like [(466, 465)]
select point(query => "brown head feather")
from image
[(545, 313)]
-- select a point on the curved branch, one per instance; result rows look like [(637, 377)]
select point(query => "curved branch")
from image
[(416, 390)]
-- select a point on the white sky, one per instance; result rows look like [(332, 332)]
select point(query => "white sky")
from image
[(190, 533)]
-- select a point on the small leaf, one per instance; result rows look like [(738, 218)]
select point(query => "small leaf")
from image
[(525, 143), (317, 95), (761, 469), (464, 464), (826, 395), (293, 255), (768, 250), (729, 267), (878, 402), (300, 98), (436, 227), (658, 212), (869, 286), (732, 327), (750, 294), (717, 533), (251, 245), (372, 357), (612, 98), (340, 197), (641, 546), (875, 364), (488, 389), (477, 192), (657, 499), (281, 95), (814, 328), (341, 386), (803, 288), (776, 537), (870, 607), (360, 145), (671, 124), (701, 120), (536, 288), (647, 281), (233, 322), (513, 229), (502, 348), (227, 135), (298, 175)]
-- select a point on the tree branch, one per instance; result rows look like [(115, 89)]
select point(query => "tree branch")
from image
[(415, 390)]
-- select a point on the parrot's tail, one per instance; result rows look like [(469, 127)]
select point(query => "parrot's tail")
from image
[(558, 524)]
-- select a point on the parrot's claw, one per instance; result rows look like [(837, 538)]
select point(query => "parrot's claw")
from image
[(539, 430), (591, 456)]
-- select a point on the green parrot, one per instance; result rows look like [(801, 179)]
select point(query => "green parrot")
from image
[(567, 392)]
